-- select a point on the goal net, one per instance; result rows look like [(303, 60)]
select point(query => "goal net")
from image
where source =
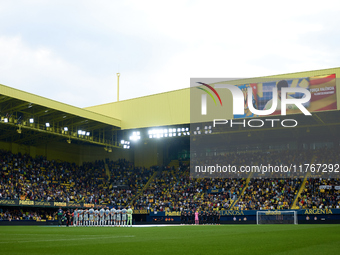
[(276, 217)]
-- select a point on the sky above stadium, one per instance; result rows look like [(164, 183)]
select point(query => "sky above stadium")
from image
[(70, 51)]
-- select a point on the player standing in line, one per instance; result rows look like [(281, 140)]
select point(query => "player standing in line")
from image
[(204, 217), (210, 217), (101, 214), (216, 217), (60, 215), (182, 217), (124, 217), (185, 218), (86, 217), (196, 218), (107, 216), (200, 217), (113, 216), (91, 213), (118, 216), (96, 217), (129, 214), (80, 217), (75, 217)]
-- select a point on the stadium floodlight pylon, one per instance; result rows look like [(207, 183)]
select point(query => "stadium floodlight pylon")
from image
[(276, 217)]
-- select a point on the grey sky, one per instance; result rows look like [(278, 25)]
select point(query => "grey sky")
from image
[(70, 51)]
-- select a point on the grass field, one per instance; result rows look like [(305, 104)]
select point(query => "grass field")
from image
[(224, 239)]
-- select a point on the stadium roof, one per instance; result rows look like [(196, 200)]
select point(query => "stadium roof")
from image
[(23, 110), (173, 107), (103, 121)]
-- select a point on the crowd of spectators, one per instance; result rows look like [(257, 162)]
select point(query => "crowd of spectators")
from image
[(127, 180), (320, 194), (38, 179), (172, 188), (269, 194), (23, 214)]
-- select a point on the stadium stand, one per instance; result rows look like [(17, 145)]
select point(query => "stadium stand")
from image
[(32, 214), (26, 178)]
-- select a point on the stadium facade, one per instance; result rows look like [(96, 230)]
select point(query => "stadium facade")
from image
[(80, 135)]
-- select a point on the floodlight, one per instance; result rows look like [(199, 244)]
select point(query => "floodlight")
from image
[(183, 129), (31, 120), (47, 124), (165, 135), (135, 136), (179, 134), (5, 120), (79, 132), (173, 134), (187, 129), (83, 132), (65, 128), (122, 141), (87, 133)]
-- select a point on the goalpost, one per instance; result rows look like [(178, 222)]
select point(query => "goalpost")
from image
[(276, 217)]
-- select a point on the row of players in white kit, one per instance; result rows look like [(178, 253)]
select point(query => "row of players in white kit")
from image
[(103, 217)]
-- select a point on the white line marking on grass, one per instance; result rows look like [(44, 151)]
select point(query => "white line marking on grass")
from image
[(68, 239)]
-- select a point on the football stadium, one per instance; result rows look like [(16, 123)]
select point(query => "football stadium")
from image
[(176, 172)]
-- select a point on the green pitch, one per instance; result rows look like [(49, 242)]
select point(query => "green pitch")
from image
[(224, 239)]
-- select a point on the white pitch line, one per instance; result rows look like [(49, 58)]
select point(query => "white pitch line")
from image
[(68, 239)]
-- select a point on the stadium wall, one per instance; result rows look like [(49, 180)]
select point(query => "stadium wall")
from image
[(75, 153), (171, 108), (148, 154)]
